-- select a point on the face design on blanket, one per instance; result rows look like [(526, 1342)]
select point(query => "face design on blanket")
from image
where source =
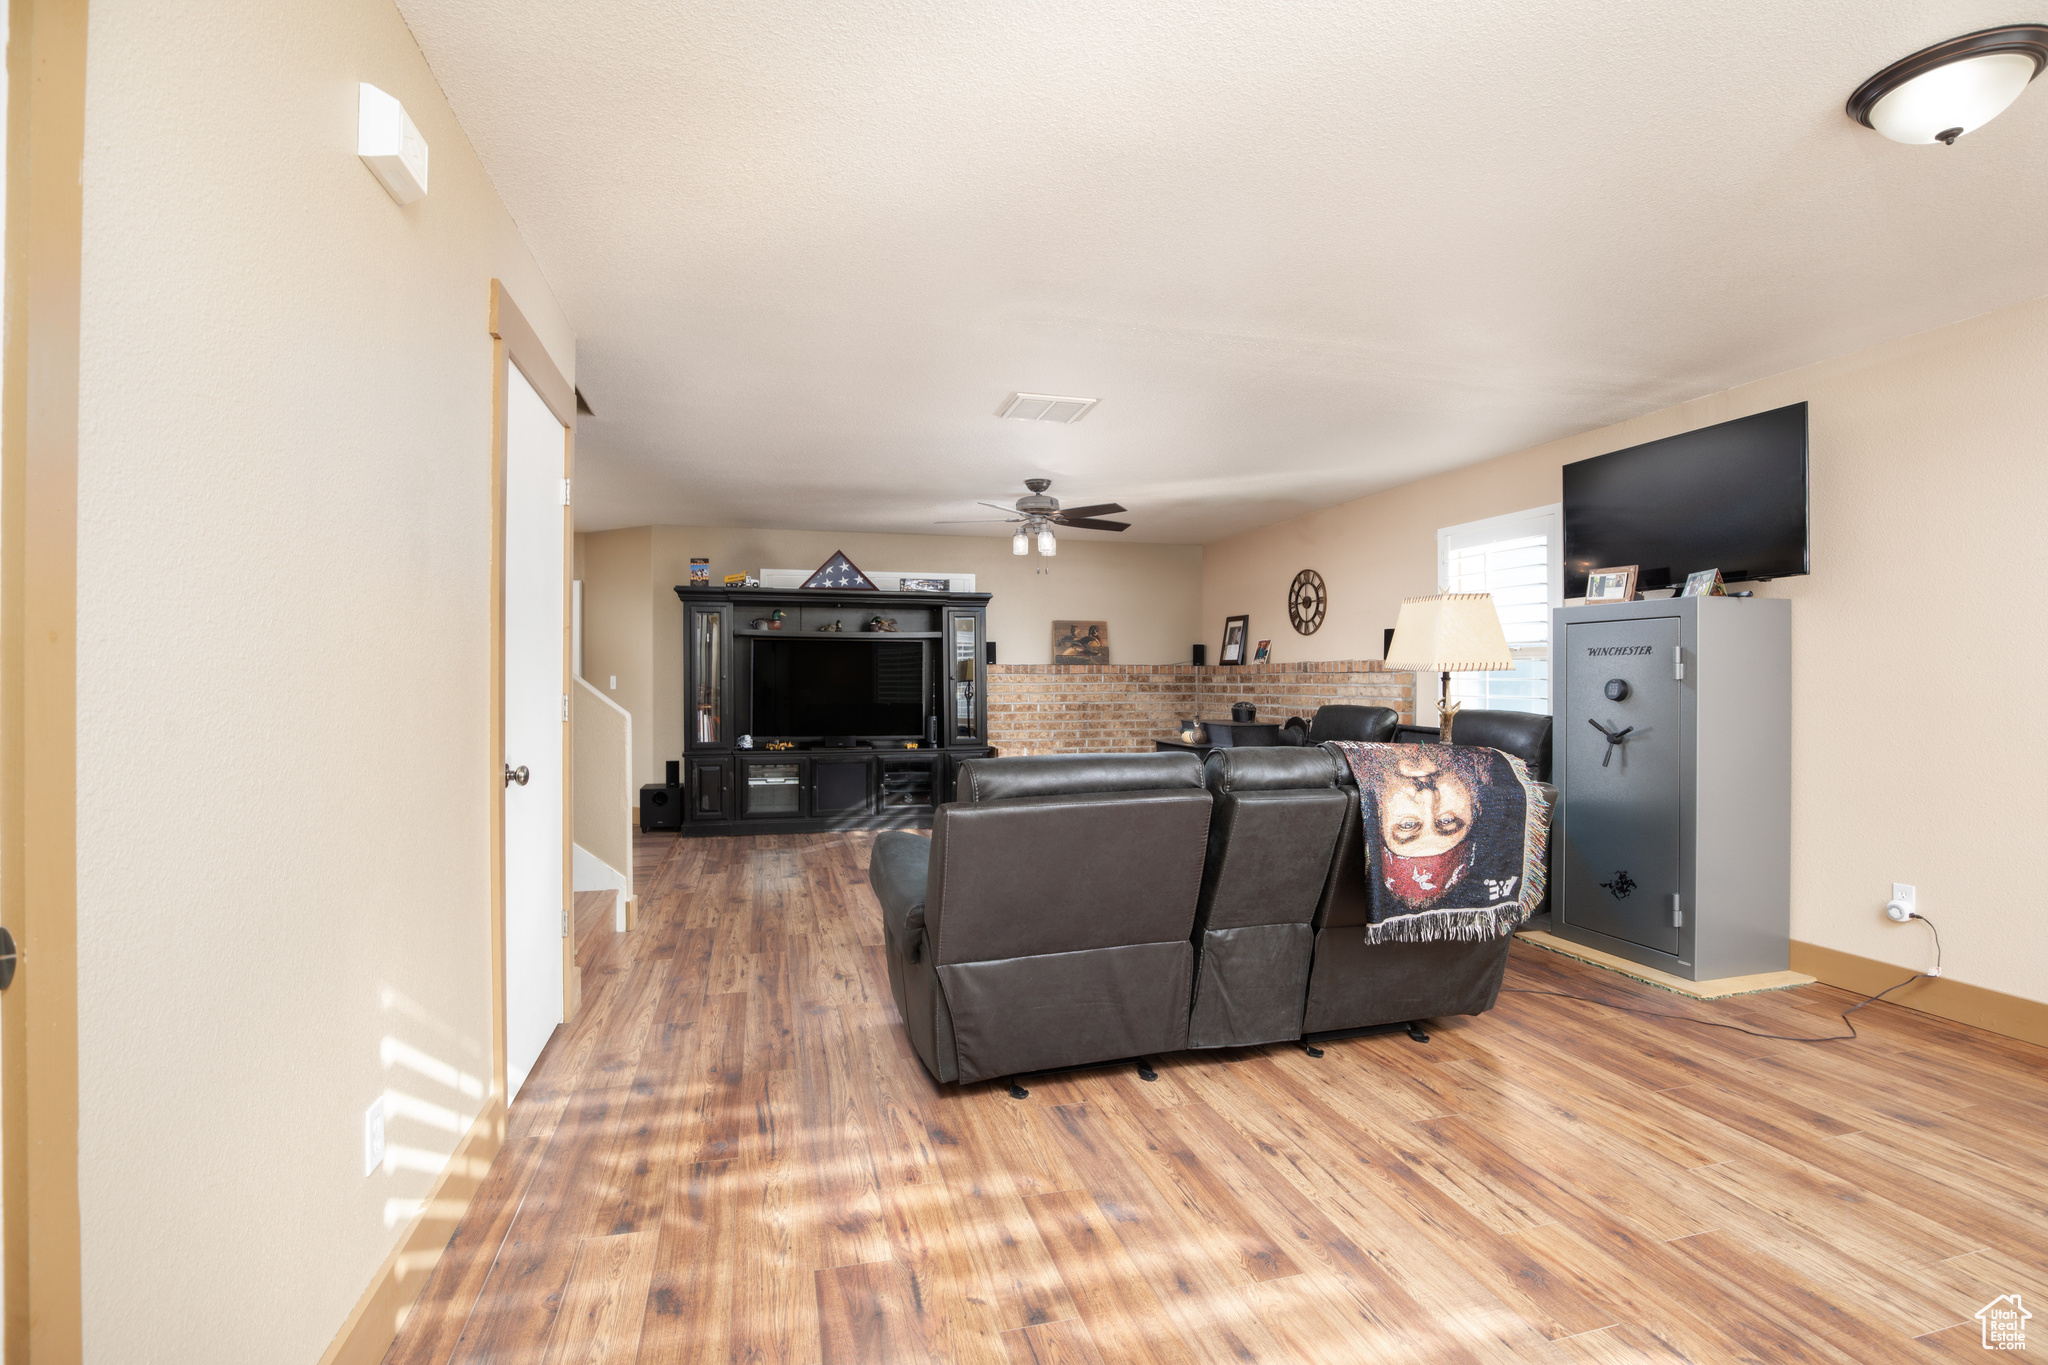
[(1429, 800), (1454, 840)]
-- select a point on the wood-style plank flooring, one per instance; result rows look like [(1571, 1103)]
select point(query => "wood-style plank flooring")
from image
[(732, 1155)]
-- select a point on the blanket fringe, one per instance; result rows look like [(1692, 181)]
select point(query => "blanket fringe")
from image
[(1455, 926)]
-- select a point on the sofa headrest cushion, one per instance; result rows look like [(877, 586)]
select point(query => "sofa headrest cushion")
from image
[(1265, 770), (1520, 733), (1365, 724), (1004, 779)]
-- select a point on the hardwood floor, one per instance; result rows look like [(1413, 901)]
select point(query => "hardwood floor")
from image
[(733, 1155)]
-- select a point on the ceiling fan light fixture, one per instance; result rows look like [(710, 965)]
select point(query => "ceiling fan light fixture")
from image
[(1944, 91), (1019, 544), (1047, 546)]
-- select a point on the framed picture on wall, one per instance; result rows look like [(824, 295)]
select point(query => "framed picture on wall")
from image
[(1080, 642), (1235, 628), (1264, 653)]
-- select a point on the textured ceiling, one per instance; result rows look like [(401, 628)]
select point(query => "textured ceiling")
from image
[(1301, 250)]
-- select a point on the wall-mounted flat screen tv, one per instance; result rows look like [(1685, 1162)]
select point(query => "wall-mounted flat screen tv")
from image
[(1730, 497), (823, 687)]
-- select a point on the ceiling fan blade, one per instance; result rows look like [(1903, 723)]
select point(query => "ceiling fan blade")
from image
[(979, 521), (1093, 509), (1091, 524), (998, 506)]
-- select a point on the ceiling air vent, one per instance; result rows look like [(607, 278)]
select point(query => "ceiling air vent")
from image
[(1043, 407)]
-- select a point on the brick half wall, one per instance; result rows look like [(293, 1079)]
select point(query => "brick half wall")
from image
[(1122, 708)]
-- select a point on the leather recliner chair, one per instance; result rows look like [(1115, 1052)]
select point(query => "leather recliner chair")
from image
[(1270, 841), (1354, 984), (1047, 921), (1520, 733)]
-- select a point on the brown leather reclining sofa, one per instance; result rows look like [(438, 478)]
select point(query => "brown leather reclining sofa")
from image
[(1082, 908)]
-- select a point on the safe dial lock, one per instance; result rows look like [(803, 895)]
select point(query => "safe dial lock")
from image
[(1617, 689)]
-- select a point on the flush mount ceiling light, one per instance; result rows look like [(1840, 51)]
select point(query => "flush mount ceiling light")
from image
[(1941, 92)]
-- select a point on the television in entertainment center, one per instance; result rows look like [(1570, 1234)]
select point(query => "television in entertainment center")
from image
[(827, 687), (1731, 497)]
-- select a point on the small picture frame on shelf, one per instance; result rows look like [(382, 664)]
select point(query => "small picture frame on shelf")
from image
[(700, 571), (1264, 653), (1235, 629), (1604, 586), (1705, 583), (925, 584)]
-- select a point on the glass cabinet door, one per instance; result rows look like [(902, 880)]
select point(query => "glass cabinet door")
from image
[(707, 683), (965, 707)]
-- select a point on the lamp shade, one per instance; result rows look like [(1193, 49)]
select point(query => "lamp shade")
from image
[(1453, 632)]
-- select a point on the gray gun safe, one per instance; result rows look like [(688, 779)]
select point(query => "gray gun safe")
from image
[(1673, 843)]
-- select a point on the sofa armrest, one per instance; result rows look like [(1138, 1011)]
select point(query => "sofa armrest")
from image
[(899, 870)]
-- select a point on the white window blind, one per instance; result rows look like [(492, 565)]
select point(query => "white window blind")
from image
[(1519, 559)]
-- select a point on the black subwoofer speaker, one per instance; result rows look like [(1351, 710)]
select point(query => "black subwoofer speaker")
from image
[(661, 808)]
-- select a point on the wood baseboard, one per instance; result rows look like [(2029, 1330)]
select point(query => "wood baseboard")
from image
[(1718, 989), (1944, 997), (368, 1331)]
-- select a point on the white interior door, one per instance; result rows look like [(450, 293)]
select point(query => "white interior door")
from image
[(536, 457)]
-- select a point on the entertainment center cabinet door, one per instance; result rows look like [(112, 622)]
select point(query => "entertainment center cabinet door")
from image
[(773, 788), (965, 714), (707, 686), (710, 788), (842, 787)]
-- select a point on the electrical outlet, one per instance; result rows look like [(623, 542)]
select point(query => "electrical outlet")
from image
[(1904, 903), (373, 1136)]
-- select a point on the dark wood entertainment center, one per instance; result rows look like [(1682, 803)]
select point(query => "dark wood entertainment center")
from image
[(826, 781)]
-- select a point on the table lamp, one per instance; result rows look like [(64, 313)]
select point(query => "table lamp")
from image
[(1453, 632)]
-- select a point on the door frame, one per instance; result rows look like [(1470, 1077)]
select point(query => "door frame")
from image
[(39, 678), (514, 342)]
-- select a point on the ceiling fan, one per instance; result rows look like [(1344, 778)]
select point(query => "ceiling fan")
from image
[(1037, 513)]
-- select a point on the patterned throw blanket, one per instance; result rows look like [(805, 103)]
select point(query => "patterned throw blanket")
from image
[(1454, 840)]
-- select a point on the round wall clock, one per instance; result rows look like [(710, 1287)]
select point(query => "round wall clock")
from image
[(1306, 600)]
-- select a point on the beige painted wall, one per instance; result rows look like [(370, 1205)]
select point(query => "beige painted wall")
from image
[(284, 666), (606, 806), (618, 630), (1147, 593), (1917, 627)]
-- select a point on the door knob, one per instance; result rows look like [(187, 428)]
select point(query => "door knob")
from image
[(518, 774)]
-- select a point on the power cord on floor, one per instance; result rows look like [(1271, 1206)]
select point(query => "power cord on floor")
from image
[(1737, 1028)]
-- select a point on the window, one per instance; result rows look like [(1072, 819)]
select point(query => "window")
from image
[(1519, 559)]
